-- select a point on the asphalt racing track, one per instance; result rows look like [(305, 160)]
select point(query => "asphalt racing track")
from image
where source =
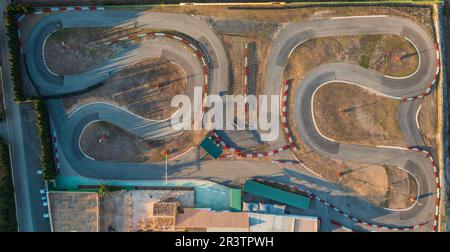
[(68, 128)]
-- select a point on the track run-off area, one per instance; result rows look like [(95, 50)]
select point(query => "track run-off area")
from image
[(196, 48)]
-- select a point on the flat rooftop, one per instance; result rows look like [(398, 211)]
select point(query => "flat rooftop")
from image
[(282, 223), (73, 211), (204, 219)]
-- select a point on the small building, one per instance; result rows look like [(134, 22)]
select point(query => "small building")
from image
[(209, 221), (73, 211), (269, 192), (143, 210), (282, 223)]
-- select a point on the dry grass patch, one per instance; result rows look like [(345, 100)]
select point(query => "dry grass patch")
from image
[(428, 120), (145, 88), (106, 142), (350, 114)]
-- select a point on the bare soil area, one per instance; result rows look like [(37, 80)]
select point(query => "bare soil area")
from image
[(428, 120), (420, 15), (106, 142), (350, 114), (359, 124), (75, 50), (355, 108), (384, 186), (145, 88)]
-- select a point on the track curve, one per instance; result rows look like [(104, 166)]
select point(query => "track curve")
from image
[(290, 36), (397, 88)]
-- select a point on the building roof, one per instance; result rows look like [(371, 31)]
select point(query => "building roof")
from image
[(265, 191), (282, 223), (209, 146), (209, 220), (73, 211)]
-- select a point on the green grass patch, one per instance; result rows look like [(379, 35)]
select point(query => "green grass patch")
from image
[(43, 124)]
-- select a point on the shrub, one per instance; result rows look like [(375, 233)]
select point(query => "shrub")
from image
[(13, 11), (45, 136)]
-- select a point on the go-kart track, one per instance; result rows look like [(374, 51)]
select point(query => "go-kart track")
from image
[(214, 78)]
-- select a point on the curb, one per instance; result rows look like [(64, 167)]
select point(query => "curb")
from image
[(201, 54), (438, 185), (69, 8), (313, 196), (430, 86)]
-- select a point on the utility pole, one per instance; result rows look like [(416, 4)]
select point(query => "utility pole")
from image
[(166, 153)]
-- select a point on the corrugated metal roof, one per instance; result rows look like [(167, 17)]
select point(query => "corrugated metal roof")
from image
[(275, 194)]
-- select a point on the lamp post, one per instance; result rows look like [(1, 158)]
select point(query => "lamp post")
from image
[(166, 153)]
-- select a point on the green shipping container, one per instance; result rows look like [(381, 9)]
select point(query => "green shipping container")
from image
[(288, 198), (209, 146)]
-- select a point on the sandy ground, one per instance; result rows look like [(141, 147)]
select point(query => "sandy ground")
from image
[(384, 186), (145, 88), (121, 146), (428, 120), (66, 48), (380, 52), (351, 114), (422, 16)]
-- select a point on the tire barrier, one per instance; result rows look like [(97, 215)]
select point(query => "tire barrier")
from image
[(196, 47), (291, 145), (378, 227), (240, 153), (308, 5), (69, 8), (341, 226), (285, 162), (251, 71), (438, 184), (430, 85)]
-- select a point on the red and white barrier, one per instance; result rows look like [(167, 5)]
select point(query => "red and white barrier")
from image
[(313, 196), (284, 119), (438, 184), (55, 143), (341, 226), (430, 86), (195, 50), (285, 162), (69, 8)]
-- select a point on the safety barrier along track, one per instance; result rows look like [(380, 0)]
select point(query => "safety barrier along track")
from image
[(286, 40), (314, 196), (199, 51), (406, 89), (285, 127)]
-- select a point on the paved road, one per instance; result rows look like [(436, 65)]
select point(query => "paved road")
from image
[(69, 129), (20, 127)]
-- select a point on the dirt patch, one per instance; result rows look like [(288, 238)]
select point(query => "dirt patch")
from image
[(351, 50), (75, 50), (145, 88), (428, 120), (377, 52), (350, 114), (419, 15), (384, 186), (106, 142)]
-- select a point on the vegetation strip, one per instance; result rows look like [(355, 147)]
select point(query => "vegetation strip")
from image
[(43, 124), (8, 222), (15, 47)]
